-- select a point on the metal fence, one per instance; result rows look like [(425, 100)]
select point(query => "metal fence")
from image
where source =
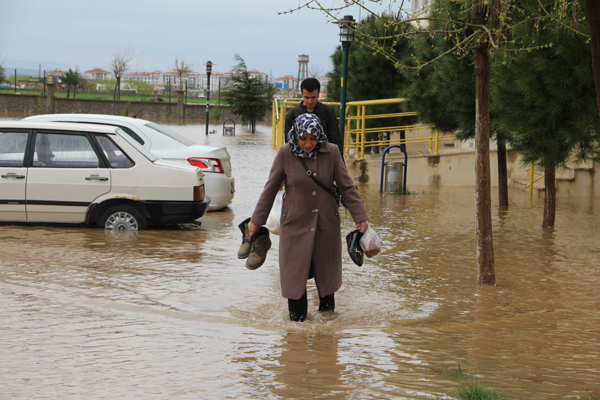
[(356, 132)]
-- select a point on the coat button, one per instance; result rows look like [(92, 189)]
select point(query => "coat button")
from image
[(314, 193), (316, 210), (312, 229)]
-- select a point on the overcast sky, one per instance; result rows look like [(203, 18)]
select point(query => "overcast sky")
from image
[(84, 33)]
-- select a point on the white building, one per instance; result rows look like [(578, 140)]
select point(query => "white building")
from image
[(286, 82), (97, 74), (151, 78), (419, 8)]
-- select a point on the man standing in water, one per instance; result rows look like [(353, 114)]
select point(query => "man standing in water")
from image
[(310, 88)]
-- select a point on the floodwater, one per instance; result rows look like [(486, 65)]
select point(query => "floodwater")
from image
[(173, 313)]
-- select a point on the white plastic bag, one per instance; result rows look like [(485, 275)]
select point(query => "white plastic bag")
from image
[(370, 242), (275, 214)]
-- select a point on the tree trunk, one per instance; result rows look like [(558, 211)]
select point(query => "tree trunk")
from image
[(485, 248), (502, 175), (549, 198), (115, 91), (592, 8)]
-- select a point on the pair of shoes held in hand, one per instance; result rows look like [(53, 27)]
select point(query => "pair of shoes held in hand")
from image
[(255, 250)]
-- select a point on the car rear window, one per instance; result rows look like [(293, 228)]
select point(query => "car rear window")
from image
[(12, 148), (171, 134), (146, 153), (124, 128)]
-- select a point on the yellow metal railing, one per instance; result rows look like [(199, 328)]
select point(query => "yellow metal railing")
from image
[(356, 131), (356, 137), (280, 108), (531, 170)]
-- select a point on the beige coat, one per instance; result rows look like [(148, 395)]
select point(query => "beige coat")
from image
[(310, 221)]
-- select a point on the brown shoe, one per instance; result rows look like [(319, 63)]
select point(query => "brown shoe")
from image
[(261, 243), (246, 246)]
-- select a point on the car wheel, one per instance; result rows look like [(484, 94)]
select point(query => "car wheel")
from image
[(122, 218)]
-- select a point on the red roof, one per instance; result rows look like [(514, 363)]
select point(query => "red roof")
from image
[(97, 70)]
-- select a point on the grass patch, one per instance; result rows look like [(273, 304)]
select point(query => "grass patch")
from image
[(402, 192), (457, 373), (475, 391), (105, 96), (592, 397)]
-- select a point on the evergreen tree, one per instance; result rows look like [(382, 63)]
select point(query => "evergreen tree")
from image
[(443, 92), (546, 98), (73, 79), (249, 97)]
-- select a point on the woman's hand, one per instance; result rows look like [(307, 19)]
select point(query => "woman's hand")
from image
[(361, 226), (252, 229)]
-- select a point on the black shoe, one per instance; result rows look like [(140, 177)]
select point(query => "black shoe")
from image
[(327, 303), (298, 308)]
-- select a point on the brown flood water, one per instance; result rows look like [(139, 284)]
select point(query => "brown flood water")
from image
[(173, 313)]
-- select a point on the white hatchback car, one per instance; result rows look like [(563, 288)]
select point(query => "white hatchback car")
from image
[(55, 173), (214, 161)]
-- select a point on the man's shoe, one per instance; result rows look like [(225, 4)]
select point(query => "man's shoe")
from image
[(261, 243), (327, 303), (246, 246)]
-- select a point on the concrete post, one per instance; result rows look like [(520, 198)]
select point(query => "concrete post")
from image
[(180, 104), (49, 107)]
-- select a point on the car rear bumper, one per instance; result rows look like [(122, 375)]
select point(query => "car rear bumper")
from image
[(220, 188), (166, 212)]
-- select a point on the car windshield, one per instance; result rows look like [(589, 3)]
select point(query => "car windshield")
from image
[(171, 134), (145, 152)]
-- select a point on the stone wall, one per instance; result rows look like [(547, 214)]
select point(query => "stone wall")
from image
[(33, 104)]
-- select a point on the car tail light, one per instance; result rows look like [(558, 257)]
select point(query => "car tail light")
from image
[(199, 193), (207, 164)]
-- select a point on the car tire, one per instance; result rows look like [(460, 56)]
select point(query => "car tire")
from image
[(122, 217)]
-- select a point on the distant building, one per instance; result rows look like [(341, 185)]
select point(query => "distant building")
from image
[(324, 80), (55, 74), (286, 82), (217, 80), (151, 78), (97, 74), (257, 74), (419, 8)]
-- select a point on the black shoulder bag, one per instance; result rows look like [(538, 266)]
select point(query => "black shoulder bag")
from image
[(333, 192)]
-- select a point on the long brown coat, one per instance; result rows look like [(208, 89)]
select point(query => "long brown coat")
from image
[(310, 221)]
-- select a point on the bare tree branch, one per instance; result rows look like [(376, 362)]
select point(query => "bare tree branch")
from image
[(181, 69), (119, 63)]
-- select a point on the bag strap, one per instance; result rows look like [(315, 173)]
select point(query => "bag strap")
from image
[(311, 175)]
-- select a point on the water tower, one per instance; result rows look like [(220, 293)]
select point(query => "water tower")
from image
[(302, 69)]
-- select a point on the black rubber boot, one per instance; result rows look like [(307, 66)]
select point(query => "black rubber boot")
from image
[(298, 308), (327, 303)]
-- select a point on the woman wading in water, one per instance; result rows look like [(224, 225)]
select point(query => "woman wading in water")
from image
[(310, 244)]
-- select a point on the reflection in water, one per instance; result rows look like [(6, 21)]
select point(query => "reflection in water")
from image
[(173, 313)]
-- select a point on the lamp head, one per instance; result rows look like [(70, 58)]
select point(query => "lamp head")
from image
[(347, 28)]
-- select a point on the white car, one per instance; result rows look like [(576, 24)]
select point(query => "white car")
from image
[(214, 161), (93, 175)]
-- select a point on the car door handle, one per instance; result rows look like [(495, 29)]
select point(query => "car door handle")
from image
[(96, 178), (14, 176)]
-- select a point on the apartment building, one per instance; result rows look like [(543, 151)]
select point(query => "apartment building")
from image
[(97, 74)]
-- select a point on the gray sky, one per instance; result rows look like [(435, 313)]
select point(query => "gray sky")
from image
[(84, 33)]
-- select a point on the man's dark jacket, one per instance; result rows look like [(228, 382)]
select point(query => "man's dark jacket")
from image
[(327, 117)]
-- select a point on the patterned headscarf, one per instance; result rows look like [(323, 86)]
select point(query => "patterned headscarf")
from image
[(303, 125)]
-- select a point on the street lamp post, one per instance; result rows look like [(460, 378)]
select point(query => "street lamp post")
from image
[(346, 36), (208, 71)]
